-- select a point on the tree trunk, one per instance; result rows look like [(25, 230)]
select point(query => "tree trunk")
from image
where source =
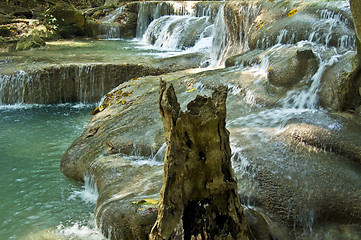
[(356, 15), (199, 197)]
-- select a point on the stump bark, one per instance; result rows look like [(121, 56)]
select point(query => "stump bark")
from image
[(199, 198)]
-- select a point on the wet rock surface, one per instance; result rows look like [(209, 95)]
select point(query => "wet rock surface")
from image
[(297, 166), (340, 85), (135, 128)]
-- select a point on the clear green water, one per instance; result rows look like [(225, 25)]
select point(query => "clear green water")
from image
[(81, 52), (34, 195)]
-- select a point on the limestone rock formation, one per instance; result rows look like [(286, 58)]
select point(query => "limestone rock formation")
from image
[(199, 198)]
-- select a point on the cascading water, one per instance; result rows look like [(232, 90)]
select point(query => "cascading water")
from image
[(179, 26), (40, 87), (109, 26), (176, 32), (329, 37), (288, 183)]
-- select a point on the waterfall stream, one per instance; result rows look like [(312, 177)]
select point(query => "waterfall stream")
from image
[(293, 158)]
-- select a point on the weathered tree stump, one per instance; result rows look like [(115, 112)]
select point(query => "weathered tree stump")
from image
[(199, 197)]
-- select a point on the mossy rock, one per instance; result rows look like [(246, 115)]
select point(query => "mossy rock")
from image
[(29, 42), (70, 21)]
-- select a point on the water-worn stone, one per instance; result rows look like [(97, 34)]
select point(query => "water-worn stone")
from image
[(199, 198), (340, 84), (276, 164), (290, 69), (287, 66)]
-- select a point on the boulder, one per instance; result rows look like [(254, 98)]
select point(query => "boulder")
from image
[(70, 21), (340, 85), (294, 175), (29, 42), (290, 67)]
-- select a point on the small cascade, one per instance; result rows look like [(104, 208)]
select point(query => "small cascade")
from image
[(176, 32), (308, 98), (55, 84), (12, 87), (149, 11), (89, 192), (113, 15), (178, 25), (109, 28), (220, 38), (324, 27), (231, 30)]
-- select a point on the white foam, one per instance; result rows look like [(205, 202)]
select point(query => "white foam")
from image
[(81, 232), (88, 193)]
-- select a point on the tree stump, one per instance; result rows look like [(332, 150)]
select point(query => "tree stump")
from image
[(199, 198)]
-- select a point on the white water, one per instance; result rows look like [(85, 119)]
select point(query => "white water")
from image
[(258, 126), (178, 26), (168, 26), (90, 231), (176, 32), (37, 88), (89, 192)]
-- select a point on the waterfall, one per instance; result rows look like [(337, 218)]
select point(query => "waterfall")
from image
[(55, 84), (176, 32), (325, 27), (220, 38), (308, 98), (231, 30), (109, 28), (12, 87), (149, 11), (196, 26)]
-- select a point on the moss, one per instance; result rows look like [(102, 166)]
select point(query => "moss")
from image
[(29, 42)]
